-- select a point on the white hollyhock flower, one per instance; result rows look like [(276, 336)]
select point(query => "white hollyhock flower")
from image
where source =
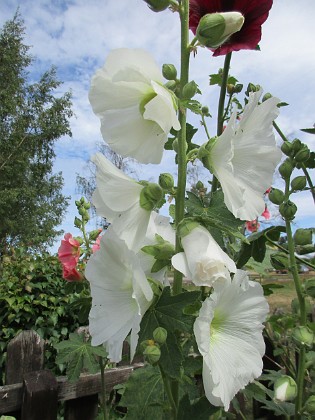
[(117, 198), (136, 111), (228, 332), (120, 294), (158, 225), (203, 261), (245, 156)]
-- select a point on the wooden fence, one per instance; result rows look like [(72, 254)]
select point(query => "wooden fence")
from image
[(33, 393)]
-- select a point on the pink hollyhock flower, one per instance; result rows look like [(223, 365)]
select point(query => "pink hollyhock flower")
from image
[(255, 13), (69, 251), (97, 244), (71, 274), (266, 214), (252, 225), (267, 191)]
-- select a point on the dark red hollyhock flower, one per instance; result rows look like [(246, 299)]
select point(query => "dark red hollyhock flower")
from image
[(255, 13)]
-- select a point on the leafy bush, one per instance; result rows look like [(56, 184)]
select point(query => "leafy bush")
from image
[(33, 295)]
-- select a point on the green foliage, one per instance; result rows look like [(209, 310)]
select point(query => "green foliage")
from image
[(79, 355), (144, 395), (32, 118), (168, 313), (199, 410), (33, 295)]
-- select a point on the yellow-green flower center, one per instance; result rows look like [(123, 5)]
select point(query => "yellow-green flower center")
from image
[(146, 98)]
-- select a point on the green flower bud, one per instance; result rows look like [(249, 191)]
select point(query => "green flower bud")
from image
[(216, 28), (265, 97), (296, 145), (94, 234), (199, 185), (287, 148), (303, 336), (85, 215), (186, 226), (276, 196), (152, 354), (77, 222), (285, 388), (303, 236), (230, 88), (305, 249), (190, 90), (87, 205), (286, 168), (169, 71), (205, 111), (310, 287), (303, 154), (279, 260), (158, 5), (238, 88), (160, 335), (288, 210), (171, 85), (298, 183), (77, 203), (310, 405), (150, 195), (144, 344), (79, 239), (166, 181), (250, 88), (175, 145)]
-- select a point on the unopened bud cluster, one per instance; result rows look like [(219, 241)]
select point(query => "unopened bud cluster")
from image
[(83, 206), (151, 348)]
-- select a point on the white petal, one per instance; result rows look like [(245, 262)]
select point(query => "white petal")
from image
[(229, 336), (120, 294), (180, 263)]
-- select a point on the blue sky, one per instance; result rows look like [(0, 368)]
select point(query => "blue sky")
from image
[(76, 36)]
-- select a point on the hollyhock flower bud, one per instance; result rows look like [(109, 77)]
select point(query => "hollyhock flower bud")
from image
[(216, 28), (298, 183), (169, 71), (288, 210), (266, 96), (158, 5), (296, 145), (160, 335), (190, 90), (152, 354), (166, 181), (303, 335), (276, 196), (302, 155), (286, 168), (285, 388), (303, 236), (150, 195), (287, 148)]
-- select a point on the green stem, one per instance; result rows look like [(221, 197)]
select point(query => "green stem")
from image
[(309, 181), (182, 161), (277, 128), (103, 393), (168, 391), (302, 306), (205, 126), (220, 120)]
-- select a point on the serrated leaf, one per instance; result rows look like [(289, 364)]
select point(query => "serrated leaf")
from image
[(216, 215), (169, 314), (215, 79), (79, 355), (144, 395), (193, 105)]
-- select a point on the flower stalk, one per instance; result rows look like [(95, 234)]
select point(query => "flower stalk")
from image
[(182, 161), (220, 118)]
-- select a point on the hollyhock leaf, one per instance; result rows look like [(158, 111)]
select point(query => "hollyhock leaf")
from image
[(199, 410), (144, 394), (308, 130)]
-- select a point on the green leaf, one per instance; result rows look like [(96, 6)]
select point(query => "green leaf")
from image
[(79, 355), (216, 215), (256, 247), (308, 130), (169, 314), (144, 395), (200, 410)]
